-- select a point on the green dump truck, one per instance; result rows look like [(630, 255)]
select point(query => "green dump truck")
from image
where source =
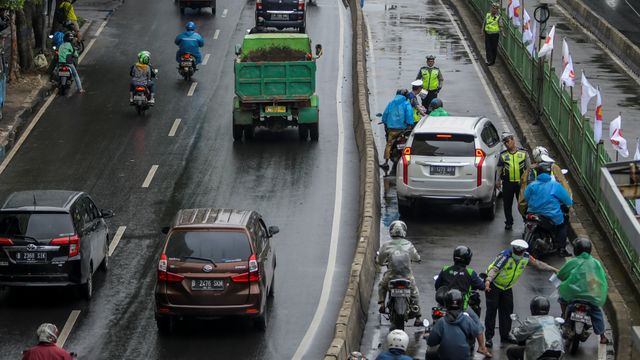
[(275, 83)]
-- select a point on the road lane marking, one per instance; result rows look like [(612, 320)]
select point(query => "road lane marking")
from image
[(632, 8), (150, 175), (224, 13), (476, 67), (116, 239), (86, 51), (216, 34), (337, 208), (206, 59), (104, 23), (192, 89), (174, 127), (66, 330)]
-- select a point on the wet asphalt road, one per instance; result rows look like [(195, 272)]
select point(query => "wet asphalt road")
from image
[(401, 36), (622, 14), (96, 143)]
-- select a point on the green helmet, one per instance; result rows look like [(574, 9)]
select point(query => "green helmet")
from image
[(144, 57)]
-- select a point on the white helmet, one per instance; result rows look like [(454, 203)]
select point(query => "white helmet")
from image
[(541, 154), (398, 339), (47, 333), (519, 245), (398, 229)]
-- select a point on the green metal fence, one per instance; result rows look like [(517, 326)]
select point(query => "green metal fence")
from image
[(573, 132)]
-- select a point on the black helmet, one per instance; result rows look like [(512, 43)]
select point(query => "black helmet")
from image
[(581, 245), (539, 306), (441, 293), (68, 36), (435, 103), (405, 93), (462, 255), (431, 57), (544, 167), (453, 300)]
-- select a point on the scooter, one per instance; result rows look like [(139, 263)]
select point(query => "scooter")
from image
[(187, 66), (549, 354), (538, 233), (397, 147), (64, 77), (399, 306), (577, 327), (142, 97)]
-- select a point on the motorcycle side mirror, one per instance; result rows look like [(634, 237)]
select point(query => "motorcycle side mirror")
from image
[(564, 171), (238, 49), (514, 317), (318, 50), (156, 71), (425, 323), (273, 230), (435, 277), (559, 320)]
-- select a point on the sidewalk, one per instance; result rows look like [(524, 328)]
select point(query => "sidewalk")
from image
[(25, 97)]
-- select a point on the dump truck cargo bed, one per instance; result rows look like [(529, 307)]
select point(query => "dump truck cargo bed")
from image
[(275, 81)]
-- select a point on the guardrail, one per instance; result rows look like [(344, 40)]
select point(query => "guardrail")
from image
[(572, 131)]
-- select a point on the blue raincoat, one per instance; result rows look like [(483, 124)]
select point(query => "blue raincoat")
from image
[(545, 196), (189, 42), (398, 114)]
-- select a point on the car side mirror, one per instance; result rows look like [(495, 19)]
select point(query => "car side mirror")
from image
[(318, 50), (106, 213), (273, 230), (238, 49), (165, 230)]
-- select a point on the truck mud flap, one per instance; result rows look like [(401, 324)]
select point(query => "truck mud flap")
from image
[(308, 115), (242, 117)]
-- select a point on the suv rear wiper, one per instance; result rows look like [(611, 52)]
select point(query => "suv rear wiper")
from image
[(199, 258), (30, 239)]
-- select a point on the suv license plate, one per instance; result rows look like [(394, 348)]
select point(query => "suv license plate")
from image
[(31, 257), (279, 16), (400, 292), (207, 284), (442, 170), (275, 109), (581, 316)]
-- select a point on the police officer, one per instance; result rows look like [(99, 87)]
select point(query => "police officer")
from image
[(415, 98), (511, 166), (432, 80), (502, 274), (491, 27)]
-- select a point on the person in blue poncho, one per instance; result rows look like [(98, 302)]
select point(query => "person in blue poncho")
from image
[(189, 42)]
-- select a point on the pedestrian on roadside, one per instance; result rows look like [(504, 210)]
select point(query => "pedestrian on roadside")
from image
[(502, 274), (432, 80), (513, 163), (491, 27)]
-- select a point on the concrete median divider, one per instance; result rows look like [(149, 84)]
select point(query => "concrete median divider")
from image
[(353, 312)]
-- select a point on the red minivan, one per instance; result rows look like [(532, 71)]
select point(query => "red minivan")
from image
[(215, 263)]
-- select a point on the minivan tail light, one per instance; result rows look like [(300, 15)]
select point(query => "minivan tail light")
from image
[(72, 241), (163, 275), (252, 275), (300, 4), (480, 155), (406, 158), (5, 241), (259, 4)]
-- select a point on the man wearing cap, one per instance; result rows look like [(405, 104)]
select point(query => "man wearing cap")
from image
[(502, 274), (432, 80), (511, 165), (491, 27), (415, 98)]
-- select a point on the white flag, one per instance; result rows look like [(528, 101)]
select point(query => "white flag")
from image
[(565, 54), (510, 8), (568, 77), (515, 5), (637, 157), (615, 135), (597, 126), (527, 35), (534, 39), (586, 93), (547, 48)]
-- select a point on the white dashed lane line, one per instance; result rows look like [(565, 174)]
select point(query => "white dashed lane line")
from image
[(116, 239), (216, 34), (174, 127), (206, 59), (150, 175), (66, 330), (192, 89), (224, 13)]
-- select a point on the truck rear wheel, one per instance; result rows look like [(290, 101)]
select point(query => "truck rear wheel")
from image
[(313, 132), (248, 132), (303, 132), (237, 132)]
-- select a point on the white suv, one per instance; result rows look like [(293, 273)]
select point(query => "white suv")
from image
[(450, 159)]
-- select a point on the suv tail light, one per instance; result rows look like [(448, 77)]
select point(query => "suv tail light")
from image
[(252, 275), (72, 241), (300, 4), (406, 158), (258, 4), (480, 155), (163, 275), (5, 241)]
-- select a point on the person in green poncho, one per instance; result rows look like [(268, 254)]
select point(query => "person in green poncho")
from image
[(584, 281), (436, 109)]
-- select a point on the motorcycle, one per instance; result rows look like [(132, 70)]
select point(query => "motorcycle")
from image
[(399, 305), (577, 326), (538, 233), (65, 78), (141, 96), (549, 354), (187, 66), (397, 147)]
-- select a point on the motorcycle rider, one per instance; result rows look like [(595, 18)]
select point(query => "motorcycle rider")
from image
[(436, 109), (389, 252), (142, 74), (540, 332), (397, 117), (432, 80), (47, 348), (415, 98), (397, 343), (68, 55), (545, 197), (453, 333), (189, 42), (584, 281), (463, 278)]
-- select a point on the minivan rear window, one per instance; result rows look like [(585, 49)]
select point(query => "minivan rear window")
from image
[(40, 226), (443, 145), (218, 246)]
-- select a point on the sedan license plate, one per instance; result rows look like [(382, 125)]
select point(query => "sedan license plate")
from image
[(64, 73), (442, 170), (207, 284), (581, 316), (31, 256), (279, 16), (400, 292), (275, 109)]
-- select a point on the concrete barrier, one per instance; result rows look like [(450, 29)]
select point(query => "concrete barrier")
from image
[(628, 52), (353, 313)]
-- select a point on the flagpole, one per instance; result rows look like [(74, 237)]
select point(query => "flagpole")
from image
[(522, 8)]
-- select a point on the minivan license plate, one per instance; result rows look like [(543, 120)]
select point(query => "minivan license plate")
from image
[(207, 284), (279, 17), (31, 256), (442, 170)]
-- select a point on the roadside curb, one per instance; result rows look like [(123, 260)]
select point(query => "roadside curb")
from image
[(353, 312), (519, 109)]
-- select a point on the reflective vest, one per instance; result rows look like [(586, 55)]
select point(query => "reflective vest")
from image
[(416, 115), (509, 273), (492, 24), (513, 165), (430, 78)]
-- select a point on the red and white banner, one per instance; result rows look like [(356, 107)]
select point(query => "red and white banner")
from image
[(568, 77), (547, 48), (586, 93), (617, 140), (565, 54), (597, 126)]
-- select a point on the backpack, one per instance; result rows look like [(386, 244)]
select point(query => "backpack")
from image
[(60, 15), (454, 277)]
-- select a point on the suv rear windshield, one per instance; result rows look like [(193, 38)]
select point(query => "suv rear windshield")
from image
[(218, 246), (443, 145), (40, 226)]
